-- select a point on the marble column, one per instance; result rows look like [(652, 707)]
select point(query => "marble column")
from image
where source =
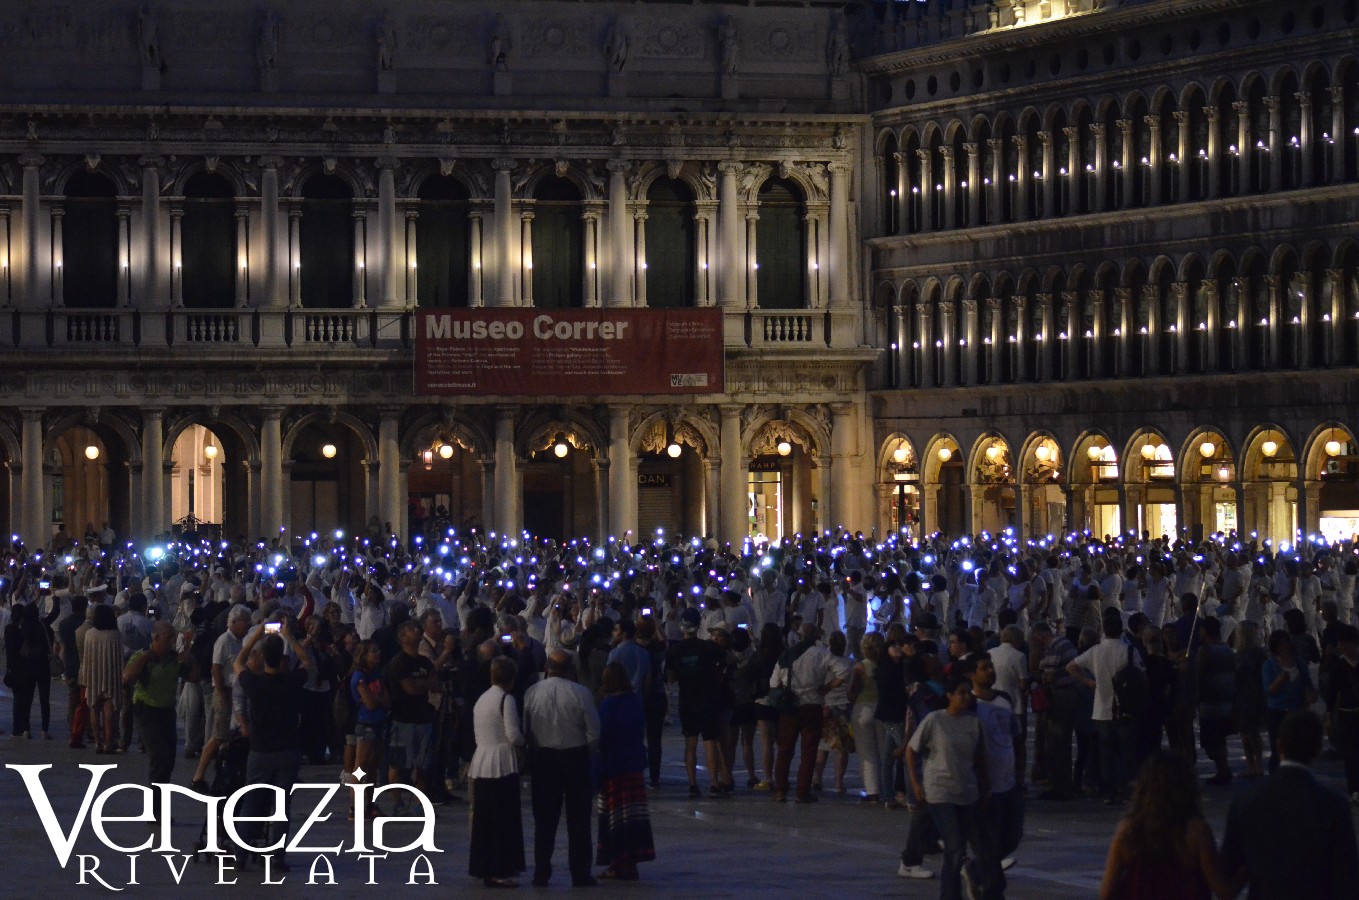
[(1128, 167), (390, 259), (274, 239), (507, 499), (842, 260), (271, 471), (1275, 144), (1153, 164), (155, 293), (621, 257), (1213, 189), (505, 259), (391, 505), (33, 524), (733, 503), (622, 475), (974, 184), (1243, 149), (842, 506), (1051, 183), (153, 472), (731, 240), (32, 260), (1020, 180)]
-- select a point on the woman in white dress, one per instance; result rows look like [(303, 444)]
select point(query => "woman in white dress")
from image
[(497, 843)]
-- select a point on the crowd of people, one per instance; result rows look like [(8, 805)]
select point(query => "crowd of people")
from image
[(461, 661)]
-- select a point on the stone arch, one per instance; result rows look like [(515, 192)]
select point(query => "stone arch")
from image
[(226, 170), (239, 429), (977, 452), (1191, 266), (689, 173), (689, 429), (1279, 80), (1222, 261), (1190, 456), (886, 455), (121, 186), (541, 428), (331, 417), (1314, 455), (931, 463), (880, 140), (475, 187), (97, 421), (806, 430), (952, 130), (1054, 279), (359, 187), (1252, 454), (1028, 466), (1079, 455), (1131, 458), (573, 172), (1052, 115), (466, 432)]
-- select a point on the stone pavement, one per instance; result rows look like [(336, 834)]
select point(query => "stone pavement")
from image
[(705, 848)]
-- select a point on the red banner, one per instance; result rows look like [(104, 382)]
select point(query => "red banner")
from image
[(567, 352)]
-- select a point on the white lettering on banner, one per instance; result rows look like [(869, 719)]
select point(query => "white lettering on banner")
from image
[(545, 328), (158, 799)]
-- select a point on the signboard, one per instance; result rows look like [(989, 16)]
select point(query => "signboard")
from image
[(566, 352)]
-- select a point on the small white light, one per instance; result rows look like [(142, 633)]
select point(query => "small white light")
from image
[(1207, 449), (210, 451), (446, 451), (329, 451), (784, 448), (1093, 452), (1333, 448), (993, 452), (945, 454), (1043, 453), (91, 452), (673, 451), (1269, 448), (560, 449), (899, 455)]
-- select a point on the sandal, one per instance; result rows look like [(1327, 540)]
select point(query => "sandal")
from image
[(612, 874)]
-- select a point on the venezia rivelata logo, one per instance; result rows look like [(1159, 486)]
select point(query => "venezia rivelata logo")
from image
[(229, 821)]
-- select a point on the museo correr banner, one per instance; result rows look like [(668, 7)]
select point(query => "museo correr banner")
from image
[(566, 352)]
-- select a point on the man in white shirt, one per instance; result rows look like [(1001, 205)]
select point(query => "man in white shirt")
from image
[(561, 724), (1096, 668), (771, 604), (809, 678)]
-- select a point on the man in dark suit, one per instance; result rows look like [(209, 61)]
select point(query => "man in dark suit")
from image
[(1290, 836)]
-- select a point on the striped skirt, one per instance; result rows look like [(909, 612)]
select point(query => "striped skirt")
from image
[(624, 826)]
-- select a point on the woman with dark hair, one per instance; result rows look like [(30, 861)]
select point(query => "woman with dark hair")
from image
[(496, 847), (101, 675), (28, 650), (624, 826), (1249, 703), (766, 714), (1164, 849)]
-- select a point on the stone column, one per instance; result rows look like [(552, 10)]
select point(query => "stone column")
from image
[(974, 184), (154, 292), (390, 258), (1020, 339), (1338, 136), (176, 255), (359, 297), (1128, 167), (153, 472), (525, 263), (731, 239), (1275, 358), (970, 342), (409, 245), (1182, 327), (1307, 320), (1153, 166), (950, 186), (733, 503), (275, 240), (1275, 144), (590, 218), (1335, 328), (1183, 159), (1152, 363), (1074, 173), (1213, 327), (924, 315), (949, 329), (1099, 184), (1213, 189), (1124, 298), (842, 507), (1241, 340), (1050, 180), (507, 500), (712, 494), (271, 472), (242, 256), (1020, 203), (32, 523), (752, 261), (124, 214), (996, 201), (622, 474), (927, 222), (505, 259), (1099, 365), (1075, 341), (841, 259), (58, 257), (621, 257), (1047, 354), (295, 254), (391, 507), (903, 193), (1305, 137), (638, 271), (997, 347), (476, 281), (32, 260), (1242, 148)]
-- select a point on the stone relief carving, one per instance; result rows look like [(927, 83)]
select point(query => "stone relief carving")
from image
[(442, 34), (266, 50), (668, 39), (749, 179), (617, 46), (787, 41), (557, 38)]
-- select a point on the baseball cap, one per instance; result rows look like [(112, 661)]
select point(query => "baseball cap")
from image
[(689, 620)]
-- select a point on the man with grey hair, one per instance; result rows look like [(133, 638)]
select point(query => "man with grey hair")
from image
[(224, 653), (561, 724)]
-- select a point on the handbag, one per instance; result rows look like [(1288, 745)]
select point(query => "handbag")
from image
[(1039, 699)]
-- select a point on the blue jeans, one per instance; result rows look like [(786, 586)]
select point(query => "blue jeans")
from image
[(1115, 755), (997, 828), (892, 738), (954, 822)]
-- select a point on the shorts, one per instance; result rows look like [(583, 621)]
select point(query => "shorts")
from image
[(744, 714), (410, 745), (766, 713), (701, 721), (219, 725), (366, 731)]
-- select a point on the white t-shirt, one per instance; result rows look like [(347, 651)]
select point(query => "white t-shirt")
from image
[(1103, 660)]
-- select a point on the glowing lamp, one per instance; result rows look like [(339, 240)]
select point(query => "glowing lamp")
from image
[(91, 452), (329, 451)]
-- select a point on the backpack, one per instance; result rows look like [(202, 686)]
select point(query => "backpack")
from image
[(781, 694), (745, 681), (1132, 694), (343, 710)]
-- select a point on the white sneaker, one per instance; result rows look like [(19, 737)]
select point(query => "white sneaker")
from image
[(921, 872), (1007, 863)]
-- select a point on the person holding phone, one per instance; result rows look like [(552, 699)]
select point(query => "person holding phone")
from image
[(153, 675)]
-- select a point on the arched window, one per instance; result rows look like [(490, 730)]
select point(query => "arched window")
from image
[(89, 243), (558, 245), (671, 248), (781, 279), (327, 239), (443, 243), (208, 243)]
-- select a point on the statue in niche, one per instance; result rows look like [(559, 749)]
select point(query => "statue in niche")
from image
[(730, 47), (837, 49), (266, 54), (616, 48), (500, 46), (148, 36), (386, 44)]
